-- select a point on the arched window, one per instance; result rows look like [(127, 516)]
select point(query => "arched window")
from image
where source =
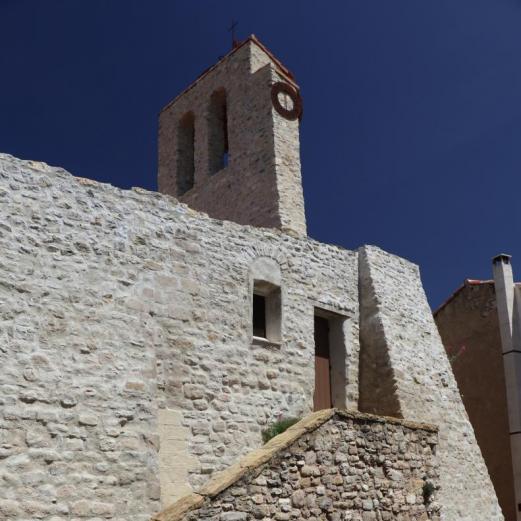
[(185, 153), (218, 132)]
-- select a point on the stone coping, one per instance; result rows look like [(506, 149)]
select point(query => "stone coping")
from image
[(226, 478), (356, 415)]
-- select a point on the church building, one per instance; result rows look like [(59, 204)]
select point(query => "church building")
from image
[(148, 339)]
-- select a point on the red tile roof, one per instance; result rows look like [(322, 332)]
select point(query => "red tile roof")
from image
[(466, 282)]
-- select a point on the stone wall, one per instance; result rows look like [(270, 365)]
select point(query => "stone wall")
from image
[(336, 466), (125, 318), (115, 304), (78, 393)]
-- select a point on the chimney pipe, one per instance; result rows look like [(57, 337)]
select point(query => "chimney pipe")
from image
[(504, 284), (508, 301)]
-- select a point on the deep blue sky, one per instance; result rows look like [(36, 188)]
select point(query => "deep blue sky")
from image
[(412, 127)]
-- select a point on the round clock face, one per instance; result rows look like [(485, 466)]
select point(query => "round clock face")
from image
[(286, 100)]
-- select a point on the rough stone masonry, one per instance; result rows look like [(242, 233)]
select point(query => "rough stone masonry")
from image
[(129, 368), (330, 465)]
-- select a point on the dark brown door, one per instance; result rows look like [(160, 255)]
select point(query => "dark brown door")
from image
[(322, 397)]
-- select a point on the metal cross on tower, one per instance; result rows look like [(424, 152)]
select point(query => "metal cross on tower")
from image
[(232, 30)]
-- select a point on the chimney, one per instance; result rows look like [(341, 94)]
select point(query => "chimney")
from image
[(504, 283), (508, 299)]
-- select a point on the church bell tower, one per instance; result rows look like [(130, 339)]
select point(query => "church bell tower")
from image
[(229, 143)]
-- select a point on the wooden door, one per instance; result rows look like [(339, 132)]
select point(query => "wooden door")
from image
[(322, 396)]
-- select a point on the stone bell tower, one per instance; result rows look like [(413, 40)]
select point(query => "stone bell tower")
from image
[(229, 143)]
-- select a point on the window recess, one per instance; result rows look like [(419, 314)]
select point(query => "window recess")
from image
[(266, 312)]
